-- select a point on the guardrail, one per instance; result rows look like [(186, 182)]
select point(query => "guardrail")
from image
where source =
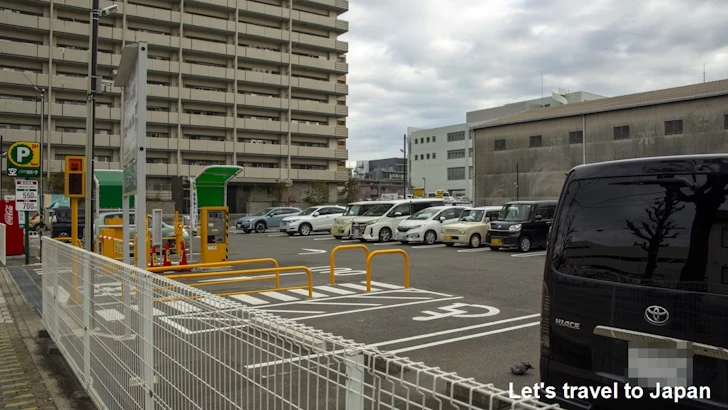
[(332, 258), (202, 351), (277, 269), (387, 252)]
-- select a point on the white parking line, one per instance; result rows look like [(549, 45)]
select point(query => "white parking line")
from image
[(324, 239), (528, 255), (277, 235), (386, 243), (279, 296), (474, 250), (335, 290), (461, 338), (249, 299), (304, 292), (442, 245)]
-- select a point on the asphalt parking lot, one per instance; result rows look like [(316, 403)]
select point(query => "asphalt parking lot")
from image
[(471, 311)]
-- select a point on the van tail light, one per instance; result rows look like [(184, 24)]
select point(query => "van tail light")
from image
[(545, 316)]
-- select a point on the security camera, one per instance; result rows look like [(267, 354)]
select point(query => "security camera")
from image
[(107, 11)]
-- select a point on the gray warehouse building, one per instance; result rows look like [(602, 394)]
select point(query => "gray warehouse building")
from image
[(527, 155)]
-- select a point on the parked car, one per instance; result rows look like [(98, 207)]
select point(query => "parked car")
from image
[(314, 219), (342, 224), (636, 279), (380, 223), (424, 226), (521, 225), (267, 218), (470, 228), (61, 223)]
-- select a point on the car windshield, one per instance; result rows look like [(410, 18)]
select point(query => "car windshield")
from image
[(264, 212), (309, 211), (471, 215), (515, 212), (378, 210), (648, 231), (424, 214)]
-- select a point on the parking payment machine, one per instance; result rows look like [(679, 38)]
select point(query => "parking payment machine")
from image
[(214, 234)]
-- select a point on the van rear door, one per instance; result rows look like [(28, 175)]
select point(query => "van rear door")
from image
[(637, 260)]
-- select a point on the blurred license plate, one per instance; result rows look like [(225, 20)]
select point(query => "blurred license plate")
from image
[(497, 242), (446, 238)]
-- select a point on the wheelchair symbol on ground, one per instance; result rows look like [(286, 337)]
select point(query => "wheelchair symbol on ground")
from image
[(459, 310)]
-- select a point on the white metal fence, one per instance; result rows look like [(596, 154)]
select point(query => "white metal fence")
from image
[(140, 341)]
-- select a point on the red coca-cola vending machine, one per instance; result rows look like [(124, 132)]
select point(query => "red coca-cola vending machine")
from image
[(15, 235)]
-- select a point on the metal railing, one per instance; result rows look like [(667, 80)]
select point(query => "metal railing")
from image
[(195, 350), (387, 252), (332, 258)]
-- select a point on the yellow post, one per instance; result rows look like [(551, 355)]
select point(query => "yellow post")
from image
[(177, 234), (332, 259), (75, 294), (385, 252)]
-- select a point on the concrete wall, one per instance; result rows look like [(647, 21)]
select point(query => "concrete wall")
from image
[(434, 170), (542, 170)]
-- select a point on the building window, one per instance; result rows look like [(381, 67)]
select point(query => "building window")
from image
[(415, 141), (470, 152), (456, 174), (621, 133), (470, 172), (433, 155), (500, 145), (428, 139), (415, 157), (674, 127), (456, 154), (456, 136), (535, 141), (576, 137), (433, 138), (428, 156)]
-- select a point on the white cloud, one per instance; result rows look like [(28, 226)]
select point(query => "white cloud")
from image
[(424, 63)]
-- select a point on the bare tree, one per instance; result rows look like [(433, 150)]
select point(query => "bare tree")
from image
[(658, 230)]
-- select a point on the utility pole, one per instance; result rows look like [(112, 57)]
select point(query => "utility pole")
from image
[(91, 123), (404, 177)]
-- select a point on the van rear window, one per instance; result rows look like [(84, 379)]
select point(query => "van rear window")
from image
[(664, 232)]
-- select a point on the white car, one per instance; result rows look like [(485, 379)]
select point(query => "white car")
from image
[(380, 223), (314, 219), (424, 226)]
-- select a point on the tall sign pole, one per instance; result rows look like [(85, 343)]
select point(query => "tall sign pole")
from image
[(132, 77)]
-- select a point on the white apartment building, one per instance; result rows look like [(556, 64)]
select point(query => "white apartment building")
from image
[(442, 158), (261, 84)]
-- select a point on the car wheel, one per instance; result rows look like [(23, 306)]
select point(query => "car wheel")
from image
[(524, 244), (474, 241), (260, 227), (338, 237), (430, 238), (304, 229), (449, 244), (494, 248), (385, 235)]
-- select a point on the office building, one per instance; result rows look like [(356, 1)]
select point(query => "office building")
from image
[(381, 176), (442, 158), (260, 84), (537, 148)]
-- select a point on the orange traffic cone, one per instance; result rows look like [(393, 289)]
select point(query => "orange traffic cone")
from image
[(153, 257), (166, 261), (184, 254)]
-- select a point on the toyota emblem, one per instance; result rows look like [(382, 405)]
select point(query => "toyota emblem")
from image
[(657, 315)]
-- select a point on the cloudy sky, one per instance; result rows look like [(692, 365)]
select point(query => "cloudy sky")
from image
[(424, 63)]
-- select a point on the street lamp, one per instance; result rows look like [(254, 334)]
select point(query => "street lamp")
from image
[(424, 187), (94, 88)]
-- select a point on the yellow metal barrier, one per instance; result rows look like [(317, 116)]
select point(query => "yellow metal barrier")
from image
[(276, 268), (332, 259), (249, 272), (386, 252)]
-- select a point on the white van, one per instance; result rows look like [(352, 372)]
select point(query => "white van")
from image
[(380, 223)]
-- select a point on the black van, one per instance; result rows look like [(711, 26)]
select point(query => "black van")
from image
[(521, 225), (635, 286)]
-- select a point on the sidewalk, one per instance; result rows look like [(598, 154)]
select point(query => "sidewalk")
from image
[(26, 379)]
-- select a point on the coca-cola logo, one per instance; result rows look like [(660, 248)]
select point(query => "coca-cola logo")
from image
[(8, 215)]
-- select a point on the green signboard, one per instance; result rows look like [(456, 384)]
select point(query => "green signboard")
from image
[(24, 160)]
